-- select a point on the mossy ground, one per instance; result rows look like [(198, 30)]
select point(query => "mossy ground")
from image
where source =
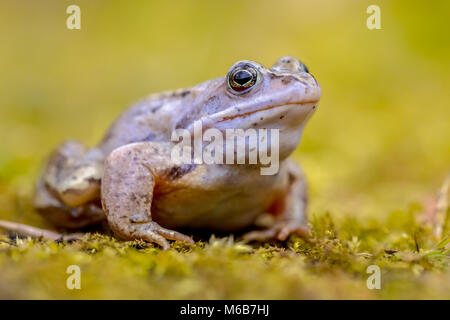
[(375, 153), (331, 264)]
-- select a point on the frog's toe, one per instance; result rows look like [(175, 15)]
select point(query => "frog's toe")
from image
[(153, 232), (174, 235), (288, 229), (156, 238), (280, 231), (260, 235)]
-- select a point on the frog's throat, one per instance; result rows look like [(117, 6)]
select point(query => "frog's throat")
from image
[(241, 115)]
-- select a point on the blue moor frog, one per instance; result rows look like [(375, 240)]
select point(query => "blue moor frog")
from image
[(130, 180)]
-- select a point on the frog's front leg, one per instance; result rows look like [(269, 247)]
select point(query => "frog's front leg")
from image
[(291, 215), (130, 175)]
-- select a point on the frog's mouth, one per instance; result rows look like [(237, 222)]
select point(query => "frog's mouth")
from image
[(245, 114)]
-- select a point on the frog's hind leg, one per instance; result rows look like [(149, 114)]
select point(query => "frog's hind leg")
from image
[(68, 190), (29, 231), (291, 218)]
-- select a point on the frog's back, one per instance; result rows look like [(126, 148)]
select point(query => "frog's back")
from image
[(155, 117), (150, 119)]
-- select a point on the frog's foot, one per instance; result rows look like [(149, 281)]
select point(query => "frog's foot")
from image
[(153, 232), (291, 218), (281, 230), (73, 173), (61, 215), (68, 190)]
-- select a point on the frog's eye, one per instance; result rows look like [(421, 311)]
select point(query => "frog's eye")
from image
[(303, 67), (242, 78)]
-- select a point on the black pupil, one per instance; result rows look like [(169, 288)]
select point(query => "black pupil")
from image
[(242, 77)]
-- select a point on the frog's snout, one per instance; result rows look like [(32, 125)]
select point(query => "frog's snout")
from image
[(289, 64), (290, 68)]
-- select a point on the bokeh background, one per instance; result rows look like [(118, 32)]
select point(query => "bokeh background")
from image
[(379, 142)]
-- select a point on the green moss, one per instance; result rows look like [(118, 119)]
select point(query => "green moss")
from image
[(330, 264)]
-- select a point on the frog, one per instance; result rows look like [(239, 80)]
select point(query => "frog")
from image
[(131, 182)]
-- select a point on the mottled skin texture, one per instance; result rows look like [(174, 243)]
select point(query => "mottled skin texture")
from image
[(130, 179)]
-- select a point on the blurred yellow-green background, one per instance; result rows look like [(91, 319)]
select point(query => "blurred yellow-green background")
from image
[(378, 143)]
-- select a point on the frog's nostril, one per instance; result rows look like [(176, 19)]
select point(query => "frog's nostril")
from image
[(289, 64)]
